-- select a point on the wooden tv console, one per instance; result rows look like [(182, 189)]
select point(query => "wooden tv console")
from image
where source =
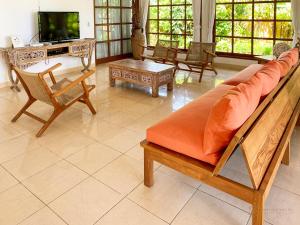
[(27, 56)]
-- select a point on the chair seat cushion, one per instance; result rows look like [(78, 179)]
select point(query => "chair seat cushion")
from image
[(188, 62), (183, 130), (70, 95), (244, 75)]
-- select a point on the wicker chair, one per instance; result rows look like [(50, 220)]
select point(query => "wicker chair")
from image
[(60, 95), (279, 48), (164, 52), (199, 57)]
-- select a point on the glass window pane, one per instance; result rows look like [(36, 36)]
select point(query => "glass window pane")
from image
[(126, 15), (189, 12), (152, 39), (224, 11), (242, 29), (224, 44), (102, 50), (284, 11), (114, 2), (188, 40), (243, 11), (101, 2), (264, 11), (114, 15), (153, 26), (223, 28), (181, 40), (101, 16), (165, 2), (101, 33), (153, 2), (164, 37), (127, 46), (115, 48), (164, 26), (263, 47), (178, 27), (153, 12), (223, 1), (178, 12), (115, 32), (242, 46), (263, 29), (126, 3), (126, 30), (165, 12), (284, 30), (189, 27)]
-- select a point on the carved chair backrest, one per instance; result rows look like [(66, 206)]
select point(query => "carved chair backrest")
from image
[(196, 51), (166, 49), (34, 85)]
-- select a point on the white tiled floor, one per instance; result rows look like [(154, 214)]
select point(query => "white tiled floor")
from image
[(89, 169)]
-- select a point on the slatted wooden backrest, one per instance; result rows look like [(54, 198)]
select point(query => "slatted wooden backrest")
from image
[(260, 144), (260, 133)]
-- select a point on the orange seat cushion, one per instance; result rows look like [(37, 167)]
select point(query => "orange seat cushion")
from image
[(244, 75), (229, 114), (269, 76), (183, 130)]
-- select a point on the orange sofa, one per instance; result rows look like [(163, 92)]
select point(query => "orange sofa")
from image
[(203, 128)]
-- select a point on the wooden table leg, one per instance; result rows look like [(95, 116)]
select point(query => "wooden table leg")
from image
[(170, 86), (112, 81), (14, 82), (155, 90)]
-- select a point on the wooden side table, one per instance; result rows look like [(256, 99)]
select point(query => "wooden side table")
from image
[(145, 73)]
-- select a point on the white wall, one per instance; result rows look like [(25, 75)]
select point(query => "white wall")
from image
[(19, 18)]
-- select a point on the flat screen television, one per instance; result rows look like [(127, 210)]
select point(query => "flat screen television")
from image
[(58, 26)]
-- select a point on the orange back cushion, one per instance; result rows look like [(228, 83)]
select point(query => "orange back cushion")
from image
[(269, 76), (291, 55), (229, 114)]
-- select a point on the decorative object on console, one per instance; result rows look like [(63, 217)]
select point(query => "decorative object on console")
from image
[(25, 57), (60, 95), (17, 42)]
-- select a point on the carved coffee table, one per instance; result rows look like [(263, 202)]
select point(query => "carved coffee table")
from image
[(146, 73)]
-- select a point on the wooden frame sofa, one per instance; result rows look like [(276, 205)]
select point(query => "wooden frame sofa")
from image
[(264, 140)]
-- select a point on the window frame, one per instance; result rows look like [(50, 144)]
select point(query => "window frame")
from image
[(185, 20), (109, 40), (252, 20)]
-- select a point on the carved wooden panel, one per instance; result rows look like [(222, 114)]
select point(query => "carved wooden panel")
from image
[(260, 144)]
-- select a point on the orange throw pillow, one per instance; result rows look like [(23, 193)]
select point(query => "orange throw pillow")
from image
[(269, 75), (229, 114)]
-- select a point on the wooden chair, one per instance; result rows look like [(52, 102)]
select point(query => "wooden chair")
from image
[(165, 51), (60, 95), (199, 57)]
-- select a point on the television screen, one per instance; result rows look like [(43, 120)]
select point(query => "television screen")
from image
[(58, 26)]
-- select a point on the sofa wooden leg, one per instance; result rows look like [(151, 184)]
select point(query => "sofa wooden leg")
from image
[(286, 156), (148, 170), (258, 209)]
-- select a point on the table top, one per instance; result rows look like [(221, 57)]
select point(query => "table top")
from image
[(145, 66), (266, 57)]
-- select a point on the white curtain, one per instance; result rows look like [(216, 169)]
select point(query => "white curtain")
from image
[(143, 8), (197, 18), (296, 20), (208, 19)]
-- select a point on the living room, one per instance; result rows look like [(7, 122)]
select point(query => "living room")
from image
[(150, 112)]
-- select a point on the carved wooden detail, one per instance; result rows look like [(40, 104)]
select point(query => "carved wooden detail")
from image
[(25, 57), (144, 73)]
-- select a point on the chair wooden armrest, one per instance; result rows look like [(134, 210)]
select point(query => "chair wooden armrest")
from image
[(210, 53), (73, 84), (143, 46), (50, 69)]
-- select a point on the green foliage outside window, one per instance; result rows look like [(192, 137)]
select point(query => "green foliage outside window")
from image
[(251, 28)]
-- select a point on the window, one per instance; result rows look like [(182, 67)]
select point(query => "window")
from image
[(252, 27), (113, 26), (170, 20)]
